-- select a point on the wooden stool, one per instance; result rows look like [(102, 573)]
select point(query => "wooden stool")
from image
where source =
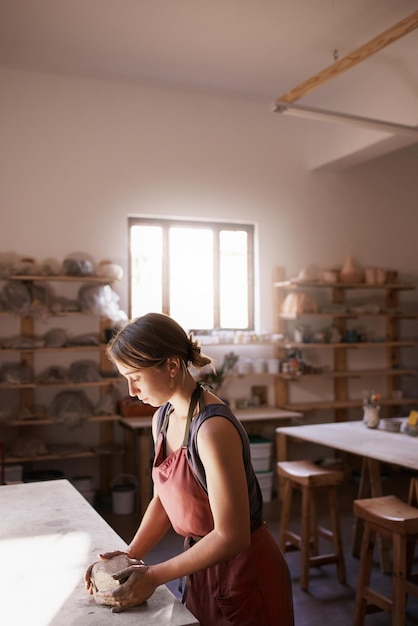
[(310, 479), (389, 517), (2, 467)]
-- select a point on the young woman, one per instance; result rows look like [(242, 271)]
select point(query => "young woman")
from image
[(204, 487)]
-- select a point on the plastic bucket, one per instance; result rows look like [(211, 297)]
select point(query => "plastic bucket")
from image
[(123, 494)]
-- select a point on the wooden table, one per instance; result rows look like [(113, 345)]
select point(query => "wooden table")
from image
[(138, 442), (49, 534), (373, 445)]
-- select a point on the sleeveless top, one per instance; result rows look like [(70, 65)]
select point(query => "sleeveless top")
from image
[(206, 412)]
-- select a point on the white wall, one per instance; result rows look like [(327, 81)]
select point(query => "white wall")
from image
[(78, 156)]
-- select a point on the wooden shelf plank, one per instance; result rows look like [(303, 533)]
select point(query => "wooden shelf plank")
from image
[(85, 454), (46, 421), (62, 278), (75, 348), (98, 383)]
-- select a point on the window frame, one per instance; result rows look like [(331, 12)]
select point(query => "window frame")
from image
[(216, 226)]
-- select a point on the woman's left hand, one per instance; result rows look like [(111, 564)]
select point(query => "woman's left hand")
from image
[(134, 591)]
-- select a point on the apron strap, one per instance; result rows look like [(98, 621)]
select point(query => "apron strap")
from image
[(164, 426), (184, 583), (197, 396)]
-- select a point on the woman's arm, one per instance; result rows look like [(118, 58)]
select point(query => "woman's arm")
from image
[(155, 523), (220, 450), (153, 528)]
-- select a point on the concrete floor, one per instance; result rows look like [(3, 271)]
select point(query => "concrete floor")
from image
[(327, 602)]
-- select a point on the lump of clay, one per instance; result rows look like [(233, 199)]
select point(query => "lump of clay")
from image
[(102, 573)]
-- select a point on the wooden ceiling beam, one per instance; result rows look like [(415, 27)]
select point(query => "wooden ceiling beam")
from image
[(389, 36)]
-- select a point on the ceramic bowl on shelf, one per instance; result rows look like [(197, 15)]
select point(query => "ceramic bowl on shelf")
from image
[(329, 276)]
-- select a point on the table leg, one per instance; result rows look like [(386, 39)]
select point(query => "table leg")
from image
[(370, 487), (144, 469), (137, 461), (281, 443), (282, 452), (130, 465), (413, 492)]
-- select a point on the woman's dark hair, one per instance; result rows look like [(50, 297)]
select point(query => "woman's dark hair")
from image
[(151, 339)]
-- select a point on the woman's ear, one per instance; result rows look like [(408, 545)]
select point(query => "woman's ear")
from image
[(173, 366)]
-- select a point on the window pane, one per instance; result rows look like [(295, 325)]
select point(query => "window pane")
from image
[(191, 277), (198, 272), (146, 269), (233, 279)]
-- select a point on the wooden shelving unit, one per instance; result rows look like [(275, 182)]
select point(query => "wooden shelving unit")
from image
[(340, 372), (20, 424)]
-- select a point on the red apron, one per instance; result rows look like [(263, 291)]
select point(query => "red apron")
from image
[(251, 589)]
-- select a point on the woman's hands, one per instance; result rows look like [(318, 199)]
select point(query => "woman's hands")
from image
[(105, 557), (138, 587), (154, 526)]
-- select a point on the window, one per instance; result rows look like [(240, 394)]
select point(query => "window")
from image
[(199, 273)]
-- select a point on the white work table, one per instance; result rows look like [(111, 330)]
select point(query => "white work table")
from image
[(49, 535), (355, 438), (138, 441)]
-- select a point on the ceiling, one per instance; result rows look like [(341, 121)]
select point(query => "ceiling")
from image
[(251, 49)]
